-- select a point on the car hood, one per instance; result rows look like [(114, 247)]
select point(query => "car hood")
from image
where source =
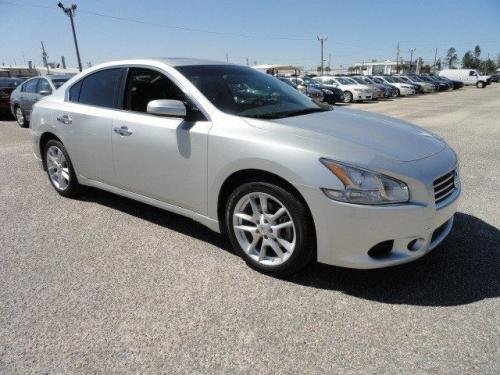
[(384, 135)]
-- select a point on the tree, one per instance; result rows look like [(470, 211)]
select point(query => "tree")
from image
[(425, 68), (487, 66), (477, 52), (451, 58), (327, 69), (468, 60), (438, 64)]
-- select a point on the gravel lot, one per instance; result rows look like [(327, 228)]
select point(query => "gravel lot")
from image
[(105, 284)]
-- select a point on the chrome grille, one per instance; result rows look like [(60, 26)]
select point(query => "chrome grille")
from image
[(444, 186)]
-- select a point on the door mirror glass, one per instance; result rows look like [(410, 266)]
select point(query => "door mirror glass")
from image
[(167, 107)]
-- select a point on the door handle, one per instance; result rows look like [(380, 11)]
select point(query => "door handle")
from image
[(65, 119), (122, 130)]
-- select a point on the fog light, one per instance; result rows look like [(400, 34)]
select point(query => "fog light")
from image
[(381, 250), (416, 244)]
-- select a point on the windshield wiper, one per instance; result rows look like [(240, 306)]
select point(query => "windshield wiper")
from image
[(304, 112)]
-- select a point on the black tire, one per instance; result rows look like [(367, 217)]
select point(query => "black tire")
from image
[(20, 118), (480, 84), (348, 97), (398, 92), (73, 188), (305, 246)]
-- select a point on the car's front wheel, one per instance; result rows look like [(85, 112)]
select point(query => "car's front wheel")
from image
[(270, 228), (480, 84), (21, 120), (347, 97), (60, 170)]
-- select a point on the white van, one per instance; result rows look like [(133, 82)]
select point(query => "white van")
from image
[(467, 76)]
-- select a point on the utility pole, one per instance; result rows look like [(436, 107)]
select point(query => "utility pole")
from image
[(248, 62), (435, 59), (329, 61), (227, 57), (70, 12), (322, 40), (45, 58), (397, 59), (411, 50)]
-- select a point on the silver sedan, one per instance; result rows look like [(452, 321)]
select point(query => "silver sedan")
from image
[(288, 181), (28, 93)]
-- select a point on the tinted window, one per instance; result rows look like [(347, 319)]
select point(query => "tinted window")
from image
[(30, 86), (74, 92), (101, 88), (43, 85), (144, 85)]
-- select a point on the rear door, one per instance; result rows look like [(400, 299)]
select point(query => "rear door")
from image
[(28, 96), (87, 119), (164, 158)]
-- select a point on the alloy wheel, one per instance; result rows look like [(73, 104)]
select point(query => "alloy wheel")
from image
[(57, 167), (19, 116), (264, 228)]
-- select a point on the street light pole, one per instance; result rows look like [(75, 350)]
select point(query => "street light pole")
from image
[(411, 50), (322, 40), (70, 11)]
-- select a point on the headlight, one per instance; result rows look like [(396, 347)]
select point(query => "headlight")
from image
[(362, 186)]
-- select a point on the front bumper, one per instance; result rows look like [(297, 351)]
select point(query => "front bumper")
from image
[(358, 95), (345, 233)]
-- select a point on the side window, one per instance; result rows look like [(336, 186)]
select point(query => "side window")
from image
[(101, 88), (144, 85), (30, 86), (44, 85), (472, 73), (74, 91)]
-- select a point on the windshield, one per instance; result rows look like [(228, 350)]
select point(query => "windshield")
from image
[(378, 80), (389, 79), (58, 82), (343, 81), (416, 79), (359, 80), (243, 91)]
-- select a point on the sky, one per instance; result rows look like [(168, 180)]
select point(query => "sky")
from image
[(276, 31)]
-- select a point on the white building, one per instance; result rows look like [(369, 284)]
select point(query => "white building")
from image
[(23, 71), (375, 67), (279, 69)]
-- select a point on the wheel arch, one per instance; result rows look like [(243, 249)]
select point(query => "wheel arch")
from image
[(256, 175), (44, 139)]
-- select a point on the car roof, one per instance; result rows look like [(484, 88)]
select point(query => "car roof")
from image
[(185, 61)]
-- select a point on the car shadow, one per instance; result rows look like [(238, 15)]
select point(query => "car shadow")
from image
[(464, 269), (6, 116)]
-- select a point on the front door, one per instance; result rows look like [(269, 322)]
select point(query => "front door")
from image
[(163, 158)]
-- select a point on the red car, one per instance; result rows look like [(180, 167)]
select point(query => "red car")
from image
[(7, 85)]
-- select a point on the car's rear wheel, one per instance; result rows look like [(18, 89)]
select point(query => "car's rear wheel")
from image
[(347, 97), (60, 170), (21, 120), (270, 228)]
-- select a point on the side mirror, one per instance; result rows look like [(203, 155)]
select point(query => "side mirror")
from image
[(44, 92), (166, 107)]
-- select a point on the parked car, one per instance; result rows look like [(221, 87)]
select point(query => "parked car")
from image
[(442, 86), (31, 91), (331, 95), (495, 77), (287, 180), (416, 80), (310, 90), (377, 92), (467, 76), (352, 91), (392, 90), (454, 84), (380, 91), (404, 89), (7, 85)]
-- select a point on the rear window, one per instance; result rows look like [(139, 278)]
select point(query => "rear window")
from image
[(58, 82), (99, 89)]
